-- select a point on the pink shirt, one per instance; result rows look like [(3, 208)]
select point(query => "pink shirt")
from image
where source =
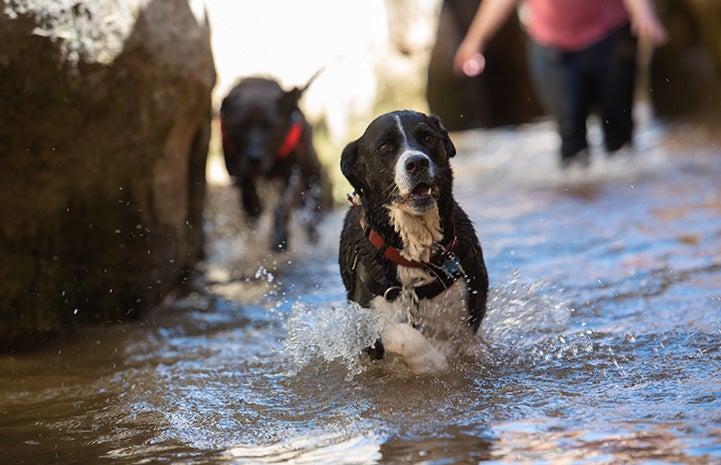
[(574, 24)]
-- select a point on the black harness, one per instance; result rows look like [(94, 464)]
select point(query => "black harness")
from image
[(444, 265)]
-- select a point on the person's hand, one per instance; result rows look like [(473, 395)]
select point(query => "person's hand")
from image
[(646, 26), (468, 61), (650, 30), (474, 65)]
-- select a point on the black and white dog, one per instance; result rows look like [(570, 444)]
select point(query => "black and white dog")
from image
[(407, 249), (267, 138)]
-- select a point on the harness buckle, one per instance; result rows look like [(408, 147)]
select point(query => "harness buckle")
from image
[(392, 293)]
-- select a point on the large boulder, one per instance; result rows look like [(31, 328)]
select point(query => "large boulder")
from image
[(106, 110), (685, 74)]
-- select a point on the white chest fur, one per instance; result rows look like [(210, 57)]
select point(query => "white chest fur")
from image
[(418, 234)]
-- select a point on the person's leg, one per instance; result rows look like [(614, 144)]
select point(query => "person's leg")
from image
[(617, 81), (561, 88)]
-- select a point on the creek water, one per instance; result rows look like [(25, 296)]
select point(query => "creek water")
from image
[(602, 342)]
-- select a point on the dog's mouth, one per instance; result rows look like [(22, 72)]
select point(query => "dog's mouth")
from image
[(421, 191), (420, 199)]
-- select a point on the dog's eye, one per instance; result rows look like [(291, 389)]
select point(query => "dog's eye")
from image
[(385, 147), (429, 138)]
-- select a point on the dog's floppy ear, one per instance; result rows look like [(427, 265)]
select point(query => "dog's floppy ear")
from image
[(447, 144), (348, 162)]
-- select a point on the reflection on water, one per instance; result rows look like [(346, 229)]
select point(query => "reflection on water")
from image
[(602, 343)]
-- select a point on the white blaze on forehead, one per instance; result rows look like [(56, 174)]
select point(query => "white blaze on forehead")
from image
[(401, 130), (402, 178)]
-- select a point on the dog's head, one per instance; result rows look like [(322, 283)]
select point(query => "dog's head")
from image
[(402, 159), (256, 116)]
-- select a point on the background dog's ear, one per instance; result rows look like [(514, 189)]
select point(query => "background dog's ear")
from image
[(289, 101), (226, 105), (348, 160), (312, 78), (447, 144)]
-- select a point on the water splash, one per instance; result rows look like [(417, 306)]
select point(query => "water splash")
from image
[(520, 316), (521, 312), (331, 333)]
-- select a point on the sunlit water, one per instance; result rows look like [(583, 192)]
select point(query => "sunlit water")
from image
[(602, 343)]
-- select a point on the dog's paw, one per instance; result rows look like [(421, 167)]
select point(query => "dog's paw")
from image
[(416, 350)]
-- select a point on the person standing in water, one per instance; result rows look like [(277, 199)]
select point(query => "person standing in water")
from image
[(582, 55)]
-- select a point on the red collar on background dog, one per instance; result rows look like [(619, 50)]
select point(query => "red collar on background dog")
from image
[(391, 253), (293, 137)]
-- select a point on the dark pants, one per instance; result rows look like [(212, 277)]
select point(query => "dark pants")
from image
[(599, 78)]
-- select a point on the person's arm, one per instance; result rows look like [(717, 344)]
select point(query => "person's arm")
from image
[(644, 22), (489, 18)]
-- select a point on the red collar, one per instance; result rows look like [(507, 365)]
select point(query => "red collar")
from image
[(391, 253), (293, 137)]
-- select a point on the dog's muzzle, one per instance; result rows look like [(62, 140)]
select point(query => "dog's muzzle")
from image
[(415, 177)]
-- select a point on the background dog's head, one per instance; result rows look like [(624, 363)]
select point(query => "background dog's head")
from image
[(256, 116), (402, 159)]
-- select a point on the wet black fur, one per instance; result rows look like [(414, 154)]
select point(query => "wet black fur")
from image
[(371, 174)]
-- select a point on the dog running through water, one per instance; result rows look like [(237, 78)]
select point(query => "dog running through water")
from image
[(266, 138), (407, 248)]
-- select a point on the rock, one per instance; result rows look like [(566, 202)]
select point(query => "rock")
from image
[(106, 110), (685, 74)]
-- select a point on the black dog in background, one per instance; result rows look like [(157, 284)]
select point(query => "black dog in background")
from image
[(407, 248), (266, 137)]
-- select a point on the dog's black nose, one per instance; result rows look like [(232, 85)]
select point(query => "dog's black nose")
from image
[(417, 163), (254, 155)]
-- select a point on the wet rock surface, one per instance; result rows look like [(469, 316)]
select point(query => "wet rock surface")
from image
[(106, 121), (685, 75)]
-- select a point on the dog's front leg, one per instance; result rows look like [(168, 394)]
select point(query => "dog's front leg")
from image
[(250, 200), (313, 203), (288, 198), (417, 351)]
